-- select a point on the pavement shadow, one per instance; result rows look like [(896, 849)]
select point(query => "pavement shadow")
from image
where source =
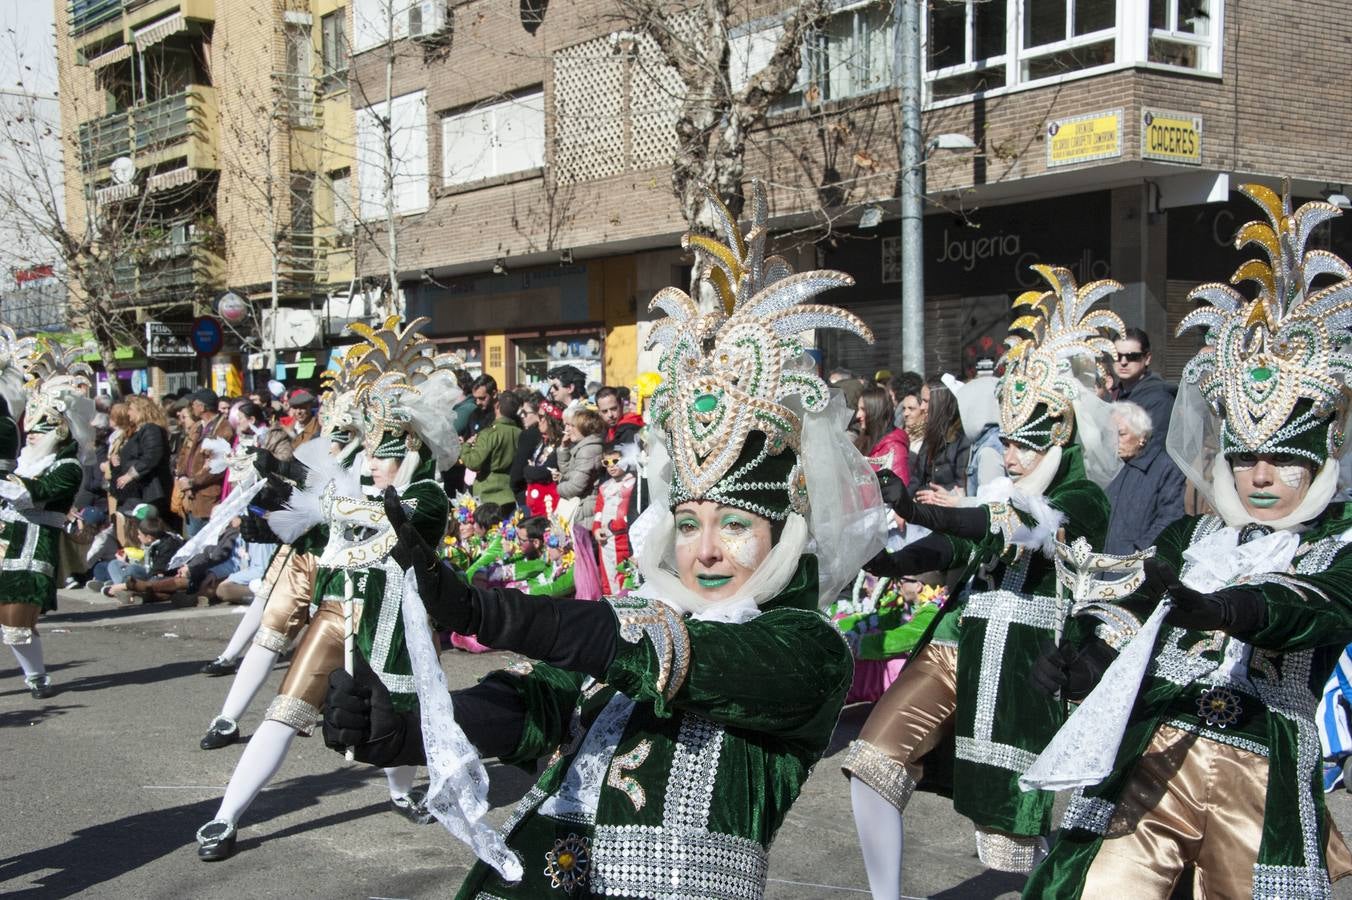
[(149, 675), (102, 853), (984, 886), (26, 717), (848, 726), (16, 674)]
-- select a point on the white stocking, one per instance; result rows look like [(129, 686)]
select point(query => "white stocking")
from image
[(401, 780), (248, 624), (250, 677), (262, 758), (880, 839), (30, 657)]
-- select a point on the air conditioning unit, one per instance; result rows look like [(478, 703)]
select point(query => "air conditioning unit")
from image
[(427, 18)]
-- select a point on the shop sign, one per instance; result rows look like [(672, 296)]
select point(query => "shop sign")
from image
[(1171, 136), (166, 340), (1084, 138)]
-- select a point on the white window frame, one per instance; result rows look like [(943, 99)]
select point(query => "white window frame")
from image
[(454, 170), (970, 65), (409, 143), (1208, 47), (1131, 34)]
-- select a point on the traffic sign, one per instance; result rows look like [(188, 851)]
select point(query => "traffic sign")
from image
[(206, 335)]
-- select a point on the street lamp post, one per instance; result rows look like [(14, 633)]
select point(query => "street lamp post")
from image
[(912, 189)]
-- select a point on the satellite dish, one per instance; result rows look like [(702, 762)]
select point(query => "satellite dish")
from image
[(123, 169)]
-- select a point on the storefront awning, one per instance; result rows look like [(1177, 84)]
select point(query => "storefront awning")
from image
[(115, 55), (115, 193), (153, 34)]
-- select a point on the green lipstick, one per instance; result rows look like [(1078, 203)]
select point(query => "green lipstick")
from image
[(712, 581), (1263, 500)]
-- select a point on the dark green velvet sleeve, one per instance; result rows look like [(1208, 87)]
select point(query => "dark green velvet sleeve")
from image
[(429, 515), (56, 488), (1305, 611), (783, 673), (549, 695)]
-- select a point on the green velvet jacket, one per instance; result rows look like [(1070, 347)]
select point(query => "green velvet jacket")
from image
[(379, 585), (30, 535), (1000, 629), (1270, 707), (670, 777)]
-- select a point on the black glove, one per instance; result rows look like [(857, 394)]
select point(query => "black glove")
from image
[(1074, 671), (358, 714), (266, 463), (1234, 610), (254, 529), (445, 595), (895, 493), (932, 553)]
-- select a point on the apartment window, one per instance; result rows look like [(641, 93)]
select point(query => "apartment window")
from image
[(340, 191), (333, 43), (852, 54), (400, 160), (966, 48), (1181, 33), (750, 50), (494, 140), (1062, 36)]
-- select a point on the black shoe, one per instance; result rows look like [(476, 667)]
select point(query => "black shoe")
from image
[(222, 733), (413, 807), (216, 841), (219, 666), (40, 686)]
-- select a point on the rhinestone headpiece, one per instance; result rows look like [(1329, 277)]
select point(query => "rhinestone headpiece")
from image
[(386, 376), (727, 373), (55, 376), (1049, 347), (339, 416), (1275, 368)]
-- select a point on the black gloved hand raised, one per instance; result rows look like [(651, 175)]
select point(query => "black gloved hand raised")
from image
[(1234, 610), (358, 714), (267, 464), (1074, 671), (895, 494), (274, 494), (444, 592), (254, 529)]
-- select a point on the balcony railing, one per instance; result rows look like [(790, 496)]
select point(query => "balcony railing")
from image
[(88, 14), (178, 273), (157, 126), (104, 140)]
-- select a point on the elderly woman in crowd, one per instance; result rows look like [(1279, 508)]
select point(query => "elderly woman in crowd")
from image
[(1147, 493)]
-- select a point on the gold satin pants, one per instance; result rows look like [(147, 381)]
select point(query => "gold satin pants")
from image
[(292, 577), (319, 653), (911, 718), (1193, 801)]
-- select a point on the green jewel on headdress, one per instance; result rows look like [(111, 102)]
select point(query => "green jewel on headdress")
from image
[(387, 373), (1049, 349), (727, 373), (1275, 367)]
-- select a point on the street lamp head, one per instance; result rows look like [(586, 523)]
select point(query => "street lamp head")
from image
[(950, 141), (871, 217), (1339, 199)]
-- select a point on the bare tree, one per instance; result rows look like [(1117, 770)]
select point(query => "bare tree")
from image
[(122, 228)]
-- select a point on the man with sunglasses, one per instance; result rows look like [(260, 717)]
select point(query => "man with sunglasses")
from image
[(1135, 381)]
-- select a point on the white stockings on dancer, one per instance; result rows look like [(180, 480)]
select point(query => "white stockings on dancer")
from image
[(400, 780), (880, 838), (250, 677), (260, 761), (30, 657), (248, 625)]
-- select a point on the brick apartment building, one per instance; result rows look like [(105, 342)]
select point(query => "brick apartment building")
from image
[(535, 217), (228, 121)]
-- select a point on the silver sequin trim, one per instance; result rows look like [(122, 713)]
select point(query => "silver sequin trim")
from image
[(1007, 853), (26, 561), (694, 769), (990, 753), (534, 797), (880, 772), (665, 630), (1090, 814), (14, 636), (1287, 882), (293, 712), (647, 861), (1192, 726), (269, 639), (391, 604)]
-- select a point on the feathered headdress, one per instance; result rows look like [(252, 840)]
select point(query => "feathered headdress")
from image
[(734, 384), (1276, 368), (16, 354), (338, 413), (1053, 357), (60, 388), (405, 391)]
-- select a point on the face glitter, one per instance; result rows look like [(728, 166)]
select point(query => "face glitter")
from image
[(1292, 476)]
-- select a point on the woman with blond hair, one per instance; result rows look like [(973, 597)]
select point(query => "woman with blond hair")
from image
[(140, 461)]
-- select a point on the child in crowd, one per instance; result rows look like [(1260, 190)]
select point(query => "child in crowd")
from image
[(614, 508), (151, 560)]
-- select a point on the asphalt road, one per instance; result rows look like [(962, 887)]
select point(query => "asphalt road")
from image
[(104, 786)]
